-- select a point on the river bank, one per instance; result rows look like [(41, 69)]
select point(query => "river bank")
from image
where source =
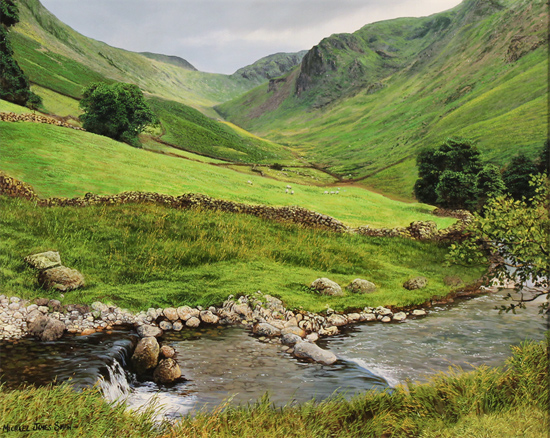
[(223, 362)]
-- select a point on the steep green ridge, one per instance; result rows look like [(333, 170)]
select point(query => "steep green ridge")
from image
[(189, 128), (55, 56), (364, 104), (270, 67)]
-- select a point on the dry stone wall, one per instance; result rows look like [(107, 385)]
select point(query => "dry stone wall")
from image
[(36, 118), (421, 230)]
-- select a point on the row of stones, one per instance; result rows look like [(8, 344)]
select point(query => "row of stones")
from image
[(35, 118), (422, 230), (16, 315)]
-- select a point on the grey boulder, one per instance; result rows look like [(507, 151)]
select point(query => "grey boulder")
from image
[(327, 287), (308, 350), (146, 354)]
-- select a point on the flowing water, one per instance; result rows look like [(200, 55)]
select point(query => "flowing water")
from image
[(222, 363)]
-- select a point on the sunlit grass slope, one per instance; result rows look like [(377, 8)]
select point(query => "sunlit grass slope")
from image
[(63, 162), (141, 256)]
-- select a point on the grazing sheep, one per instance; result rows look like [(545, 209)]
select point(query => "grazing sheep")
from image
[(286, 191), (326, 192), (292, 192)]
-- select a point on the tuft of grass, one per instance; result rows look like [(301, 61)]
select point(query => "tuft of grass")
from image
[(61, 411), (138, 256)]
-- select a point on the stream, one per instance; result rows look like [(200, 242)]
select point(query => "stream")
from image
[(228, 364)]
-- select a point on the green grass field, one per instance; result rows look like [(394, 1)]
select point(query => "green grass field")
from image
[(141, 256), (63, 162)]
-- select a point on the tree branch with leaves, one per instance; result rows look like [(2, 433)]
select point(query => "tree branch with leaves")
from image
[(513, 237)]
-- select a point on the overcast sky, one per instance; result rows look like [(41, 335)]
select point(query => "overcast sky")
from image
[(220, 36)]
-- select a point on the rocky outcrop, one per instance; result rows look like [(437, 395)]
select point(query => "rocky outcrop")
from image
[(360, 286), (44, 260), (52, 274), (327, 287)]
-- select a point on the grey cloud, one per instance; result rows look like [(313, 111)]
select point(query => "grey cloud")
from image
[(224, 35)]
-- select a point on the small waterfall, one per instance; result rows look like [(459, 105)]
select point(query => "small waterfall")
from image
[(115, 385)]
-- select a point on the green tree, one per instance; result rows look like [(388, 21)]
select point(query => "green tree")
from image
[(117, 110), (543, 160), (517, 177), (489, 184), (512, 235), (458, 162), (456, 190), (14, 85)]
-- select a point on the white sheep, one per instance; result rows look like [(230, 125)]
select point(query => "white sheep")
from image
[(292, 192)]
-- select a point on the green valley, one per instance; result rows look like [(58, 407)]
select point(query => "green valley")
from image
[(362, 105)]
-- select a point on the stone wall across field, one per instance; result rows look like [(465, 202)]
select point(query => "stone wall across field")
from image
[(35, 118), (420, 230)]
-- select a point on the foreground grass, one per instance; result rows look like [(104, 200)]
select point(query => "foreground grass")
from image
[(64, 162), (511, 401), (138, 256), (60, 411)]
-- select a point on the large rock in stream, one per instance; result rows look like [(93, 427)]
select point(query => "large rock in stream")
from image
[(146, 355), (47, 329), (167, 371), (308, 350)]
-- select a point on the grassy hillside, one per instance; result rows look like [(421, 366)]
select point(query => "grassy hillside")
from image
[(364, 104), (63, 162), (141, 256), (189, 128)]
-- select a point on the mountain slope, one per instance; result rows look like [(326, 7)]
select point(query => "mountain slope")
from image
[(55, 56), (364, 104)]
